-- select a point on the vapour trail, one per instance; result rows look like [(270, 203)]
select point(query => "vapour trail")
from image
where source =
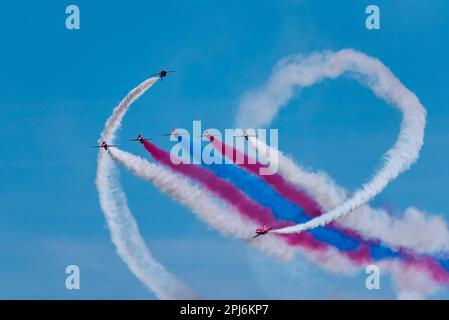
[(122, 226), (413, 231), (259, 107)]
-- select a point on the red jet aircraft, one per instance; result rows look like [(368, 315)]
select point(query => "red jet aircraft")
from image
[(140, 138), (262, 231), (104, 145)]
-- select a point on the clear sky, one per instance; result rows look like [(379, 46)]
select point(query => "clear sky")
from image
[(59, 86)]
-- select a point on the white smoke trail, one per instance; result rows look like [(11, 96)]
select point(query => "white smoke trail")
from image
[(259, 107), (204, 204), (410, 282), (122, 226), (127, 239), (413, 230), (115, 120)]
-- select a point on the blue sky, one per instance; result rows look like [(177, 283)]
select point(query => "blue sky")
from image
[(59, 86)]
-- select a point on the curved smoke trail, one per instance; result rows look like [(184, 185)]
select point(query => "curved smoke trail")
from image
[(122, 225), (413, 231), (259, 108)]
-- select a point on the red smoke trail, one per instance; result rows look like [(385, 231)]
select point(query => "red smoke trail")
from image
[(232, 195), (223, 189), (283, 187)]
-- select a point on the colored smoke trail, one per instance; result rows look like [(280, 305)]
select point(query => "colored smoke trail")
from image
[(283, 209), (201, 202), (413, 231), (234, 197), (266, 192), (221, 188), (339, 236), (123, 228), (283, 187), (259, 108), (328, 257), (225, 220)]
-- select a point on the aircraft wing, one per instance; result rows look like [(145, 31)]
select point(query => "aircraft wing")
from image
[(259, 234)]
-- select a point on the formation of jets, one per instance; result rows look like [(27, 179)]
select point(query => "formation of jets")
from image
[(140, 138)]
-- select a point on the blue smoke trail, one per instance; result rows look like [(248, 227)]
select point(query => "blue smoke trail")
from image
[(261, 192)]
